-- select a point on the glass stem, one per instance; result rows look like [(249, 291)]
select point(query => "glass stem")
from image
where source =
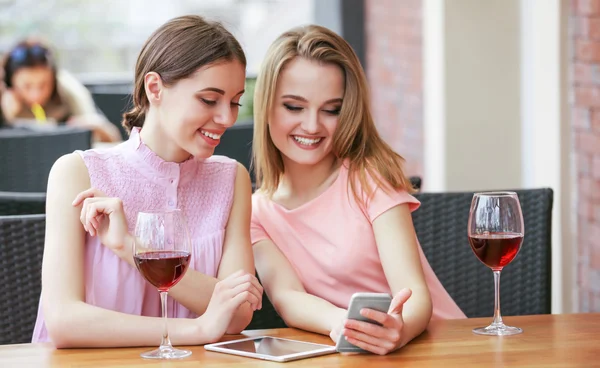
[(497, 315), (165, 342)]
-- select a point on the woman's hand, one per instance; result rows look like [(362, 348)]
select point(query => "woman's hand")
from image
[(89, 121), (228, 295), (338, 326), (104, 217), (10, 103), (103, 130), (382, 339)]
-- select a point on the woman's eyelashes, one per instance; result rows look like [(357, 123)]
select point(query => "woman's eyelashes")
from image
[(335, 111), (214, 102), (292, 108), (208, 102)]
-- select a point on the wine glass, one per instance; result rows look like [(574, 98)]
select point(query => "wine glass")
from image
[(162, 252), (495, 233)]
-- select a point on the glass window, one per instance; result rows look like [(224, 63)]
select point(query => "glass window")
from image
[(99, 40)]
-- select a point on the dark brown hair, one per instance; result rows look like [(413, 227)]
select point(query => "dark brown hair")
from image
[(29, 53), (175, 51)]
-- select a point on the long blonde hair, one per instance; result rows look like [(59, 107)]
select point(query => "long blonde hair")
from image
[(355, 139)]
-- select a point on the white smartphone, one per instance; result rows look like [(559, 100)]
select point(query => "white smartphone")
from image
[(376, 301)]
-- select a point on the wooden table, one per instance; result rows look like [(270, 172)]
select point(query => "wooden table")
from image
[(548, 341)]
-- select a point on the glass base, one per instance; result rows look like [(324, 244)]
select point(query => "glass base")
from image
[(166, 352), (498, 330)]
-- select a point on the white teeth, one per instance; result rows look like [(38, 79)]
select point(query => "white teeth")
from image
[(211, 135), (307, 141)]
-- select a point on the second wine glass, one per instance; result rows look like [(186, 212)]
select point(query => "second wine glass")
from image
[(495, 233), (162, 252)]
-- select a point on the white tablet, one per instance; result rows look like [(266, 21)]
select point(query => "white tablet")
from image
[(271, 348)]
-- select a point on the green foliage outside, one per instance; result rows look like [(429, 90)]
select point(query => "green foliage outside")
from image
[(247, 101)]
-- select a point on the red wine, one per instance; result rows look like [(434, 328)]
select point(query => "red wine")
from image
[(162, 269), (496, 250)]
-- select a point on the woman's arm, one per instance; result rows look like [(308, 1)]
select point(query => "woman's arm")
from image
[(83, 109), (411, 307), (399, 253), (63, 291), (297, 307), (10, 105), (195, 288), (237, 249)]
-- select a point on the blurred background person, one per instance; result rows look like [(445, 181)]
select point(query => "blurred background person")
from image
[(36, 90)]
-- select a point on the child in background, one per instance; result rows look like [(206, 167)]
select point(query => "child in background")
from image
[(35, 89)]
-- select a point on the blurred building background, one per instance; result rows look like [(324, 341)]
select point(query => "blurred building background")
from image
[(100, 39)]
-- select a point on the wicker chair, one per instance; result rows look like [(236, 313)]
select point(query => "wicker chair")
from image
[(21, 251), (441, 226), (28, 155), (20, 203)]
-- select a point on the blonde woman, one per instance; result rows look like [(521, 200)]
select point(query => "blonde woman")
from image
[(332, 213)]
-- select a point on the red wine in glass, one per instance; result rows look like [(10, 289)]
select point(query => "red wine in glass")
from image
[(163, 269), (162, 251), (496, 250), (495, 233)]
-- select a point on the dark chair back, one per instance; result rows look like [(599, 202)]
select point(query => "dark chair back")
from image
[(2, 120), (236, 143), (266, 317), (21, 203), (28, 155), (525, 284), (415, 181), (113, 103), (21, 251)]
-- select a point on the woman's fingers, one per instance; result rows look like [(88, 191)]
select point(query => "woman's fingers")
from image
[(258, 290), (240, 298), (85, 198), (397, 304), (375, 349), (240, 282), (89, 193), (93, 211), (369, 328), (254, 296)]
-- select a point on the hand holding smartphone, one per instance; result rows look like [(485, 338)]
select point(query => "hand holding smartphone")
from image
[(376, 301)]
